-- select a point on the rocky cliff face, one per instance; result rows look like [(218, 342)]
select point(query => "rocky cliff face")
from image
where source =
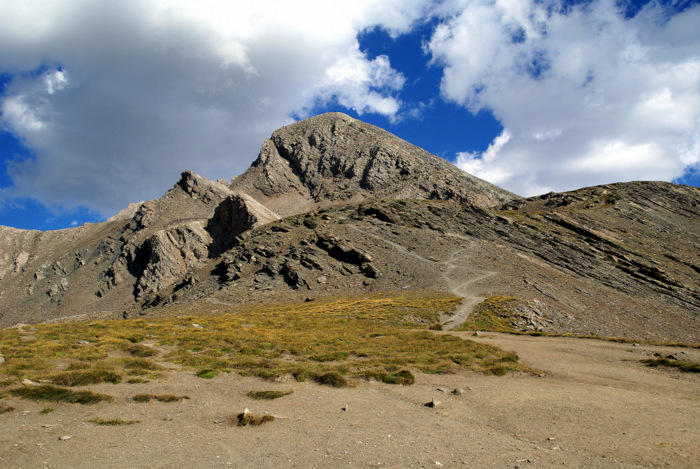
[(334, 206)]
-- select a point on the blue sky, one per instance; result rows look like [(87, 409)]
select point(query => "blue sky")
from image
[(105, 103)]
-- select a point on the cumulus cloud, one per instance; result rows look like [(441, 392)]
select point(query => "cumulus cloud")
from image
[(114, 99), (586, 96)]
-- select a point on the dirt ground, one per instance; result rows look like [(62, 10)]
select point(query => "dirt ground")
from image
[(594, 406)]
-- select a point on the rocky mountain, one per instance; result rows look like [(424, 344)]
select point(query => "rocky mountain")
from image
[(332, 158), (334, 206)]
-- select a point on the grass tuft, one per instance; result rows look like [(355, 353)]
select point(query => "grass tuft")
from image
[(267, 395), (4, 408), (141, 351), (158, 397), (48, 392), (84, 378), (332, 378), (253, 420), (207, 373), (686, 367), (7, 382), (404, 377), (47, 410), (113, 422)]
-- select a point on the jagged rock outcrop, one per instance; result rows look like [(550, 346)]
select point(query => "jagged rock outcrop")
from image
[(199, 188), (234, 215), (332, 158), (15, 254), (168, 255)]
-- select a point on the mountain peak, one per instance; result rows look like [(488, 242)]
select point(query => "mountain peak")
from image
[(331, 158)]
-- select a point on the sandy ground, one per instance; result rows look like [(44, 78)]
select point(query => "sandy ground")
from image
[(597, 406)]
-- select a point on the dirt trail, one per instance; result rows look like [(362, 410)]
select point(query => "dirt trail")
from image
[(456, 274), (597, 406), (459, 279)]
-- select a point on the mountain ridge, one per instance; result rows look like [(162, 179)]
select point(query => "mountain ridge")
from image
[(333, 205)]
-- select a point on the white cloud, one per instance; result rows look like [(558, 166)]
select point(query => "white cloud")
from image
[(481, 164), (116, 98), (588, 96), (21, 115), (354, 82)]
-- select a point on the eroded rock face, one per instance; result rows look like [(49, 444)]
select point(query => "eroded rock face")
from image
[(15, 247), (168, 255), (234, 215)]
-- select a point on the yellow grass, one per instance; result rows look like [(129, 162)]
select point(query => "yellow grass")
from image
[(492, 314), (380, 336)]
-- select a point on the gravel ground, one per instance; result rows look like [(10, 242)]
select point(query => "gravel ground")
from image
[(594, 405)]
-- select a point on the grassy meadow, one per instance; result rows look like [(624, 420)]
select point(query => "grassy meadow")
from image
[(336, 342)]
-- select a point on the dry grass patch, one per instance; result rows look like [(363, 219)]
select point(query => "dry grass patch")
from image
[(158, 397), (48, 392), (248, 419), (7, 382), (492, 314), (141, 351), (333, 342), (267, 395), (686, 367), (4, 408), (84, 378), (113, 422)]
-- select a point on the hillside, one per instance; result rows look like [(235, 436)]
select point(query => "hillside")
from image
[(333, 205)]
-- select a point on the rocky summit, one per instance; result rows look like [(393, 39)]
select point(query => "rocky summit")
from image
[(336, 206)]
